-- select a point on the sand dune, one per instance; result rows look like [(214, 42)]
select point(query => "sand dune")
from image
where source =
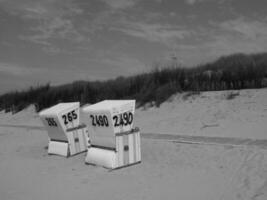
[(209, 114), (187, 153)]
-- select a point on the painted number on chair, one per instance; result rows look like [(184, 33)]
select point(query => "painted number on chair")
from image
[(51, 121), (69, 117), (123, 119), (99, 120)]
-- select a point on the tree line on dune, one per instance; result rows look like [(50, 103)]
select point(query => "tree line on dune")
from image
[(234, 72)]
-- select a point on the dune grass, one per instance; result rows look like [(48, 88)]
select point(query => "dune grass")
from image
[(234, 72)]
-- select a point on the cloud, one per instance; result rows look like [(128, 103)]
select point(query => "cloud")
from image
[(165, 34), (233, 36), (240, 35), (57, 28), (228, 44), (124, 63), (16, 70), (40, 9), (47, 20), (192, 2), (247, 28), (120, 4)]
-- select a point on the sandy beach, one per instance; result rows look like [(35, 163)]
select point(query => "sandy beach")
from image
[(202, 147)]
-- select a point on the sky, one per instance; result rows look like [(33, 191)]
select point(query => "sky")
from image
[(60, 41)]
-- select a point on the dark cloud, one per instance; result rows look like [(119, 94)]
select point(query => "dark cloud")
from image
[(73, 39)]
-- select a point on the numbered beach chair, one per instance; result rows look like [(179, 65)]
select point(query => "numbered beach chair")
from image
[(66, 135), (114, 142)]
